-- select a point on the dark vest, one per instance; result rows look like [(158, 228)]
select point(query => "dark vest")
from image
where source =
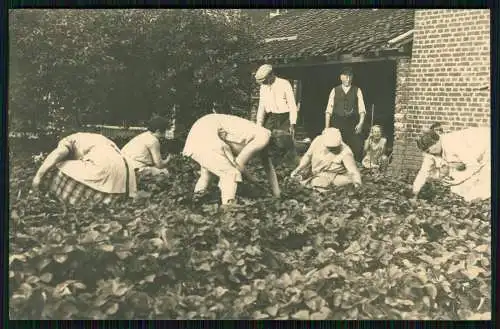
[(345, 105)]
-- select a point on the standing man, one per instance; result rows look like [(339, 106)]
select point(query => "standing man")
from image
[(277, 109), (347, 107)]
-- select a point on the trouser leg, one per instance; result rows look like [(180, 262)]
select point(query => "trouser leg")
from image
[(228, 187), (203, 181)]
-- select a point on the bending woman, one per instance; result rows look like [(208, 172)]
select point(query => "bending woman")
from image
[(461, 159), (223, 144), (86, 167)]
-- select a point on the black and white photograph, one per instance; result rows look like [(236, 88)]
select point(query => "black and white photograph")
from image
[(249, 164)]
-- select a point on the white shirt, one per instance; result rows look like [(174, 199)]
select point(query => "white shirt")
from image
[(331, 99), (322, 160), (277, 97), (137, 150)]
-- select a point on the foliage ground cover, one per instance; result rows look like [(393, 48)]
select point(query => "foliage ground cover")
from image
[(349, 254)]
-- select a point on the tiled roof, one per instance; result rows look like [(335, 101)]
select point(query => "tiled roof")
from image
[(328, 32)]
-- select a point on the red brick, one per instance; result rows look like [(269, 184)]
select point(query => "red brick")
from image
[(451, 53)]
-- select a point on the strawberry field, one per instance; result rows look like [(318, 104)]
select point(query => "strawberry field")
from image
[(370, 253)]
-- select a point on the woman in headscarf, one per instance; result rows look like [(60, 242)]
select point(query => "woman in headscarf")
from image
[(330, 161), (86, 167), (222, 145), (461, 159)]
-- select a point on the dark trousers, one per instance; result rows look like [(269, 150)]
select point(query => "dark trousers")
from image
[(347, 126), (279, 124)]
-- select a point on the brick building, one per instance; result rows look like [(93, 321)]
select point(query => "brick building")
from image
[(445, 78), (415, 67)]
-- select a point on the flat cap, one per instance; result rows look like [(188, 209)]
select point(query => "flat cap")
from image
[(263, 71)]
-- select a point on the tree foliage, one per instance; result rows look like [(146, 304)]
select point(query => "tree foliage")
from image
[(69, 67)]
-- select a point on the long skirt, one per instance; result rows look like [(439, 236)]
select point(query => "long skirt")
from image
[(69, 191)]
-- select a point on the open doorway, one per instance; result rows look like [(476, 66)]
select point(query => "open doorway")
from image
[(377, 80)]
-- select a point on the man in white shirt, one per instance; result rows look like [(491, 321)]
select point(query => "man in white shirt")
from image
[(347, 107), (277, 107)]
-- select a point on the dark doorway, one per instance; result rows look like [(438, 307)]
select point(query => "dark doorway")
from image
[(377, 80)]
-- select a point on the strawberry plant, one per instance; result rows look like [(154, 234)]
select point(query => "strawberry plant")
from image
[(370, 253)]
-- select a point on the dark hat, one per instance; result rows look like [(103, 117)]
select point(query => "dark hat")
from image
[(347, 71), (428, 138)]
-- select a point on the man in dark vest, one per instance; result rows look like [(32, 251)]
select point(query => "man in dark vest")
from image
[(347, 107)]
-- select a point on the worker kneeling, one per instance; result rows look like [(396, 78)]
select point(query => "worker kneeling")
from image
[(328, 162), (222, 145)]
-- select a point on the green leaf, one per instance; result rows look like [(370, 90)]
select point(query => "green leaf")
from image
[(257, 315), (301, 315), (150, 278), (220, 291), (272, 310), (107, 247), (205, 267), (431, 290), (486, 316), (112, 309), (472, 272), (60, 258), (20, 257), (123, 254), (483, 248), (79, 285), (228, 258), (322, 314), (46, 277)]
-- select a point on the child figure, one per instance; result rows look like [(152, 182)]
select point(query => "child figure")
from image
[(374, 149)]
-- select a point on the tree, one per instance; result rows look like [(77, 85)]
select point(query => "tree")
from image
[(70, 67)]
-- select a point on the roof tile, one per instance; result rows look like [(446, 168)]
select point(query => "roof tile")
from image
[(323, 32)]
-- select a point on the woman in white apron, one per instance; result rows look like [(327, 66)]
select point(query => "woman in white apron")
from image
[(460, 159), (86, 167), (222, 145), (330, 162)]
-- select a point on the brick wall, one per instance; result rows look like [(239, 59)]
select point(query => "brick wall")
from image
[(450, 63)]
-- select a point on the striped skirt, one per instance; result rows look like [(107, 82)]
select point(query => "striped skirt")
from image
[(74, 193)]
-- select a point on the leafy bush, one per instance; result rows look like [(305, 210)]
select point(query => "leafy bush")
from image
[(349, 254), (69, 67)]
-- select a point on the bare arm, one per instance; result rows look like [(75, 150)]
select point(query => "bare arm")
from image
[(423, 174), (367, 145), (261, 113), (352, 169), (292, 105), (361, 108), (305, 161), (159, 163), (56, 156), (329, 108)]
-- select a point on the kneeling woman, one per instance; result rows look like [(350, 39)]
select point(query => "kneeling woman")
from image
[(86, 167), (222, 145), (461, 159), (330, 161)]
